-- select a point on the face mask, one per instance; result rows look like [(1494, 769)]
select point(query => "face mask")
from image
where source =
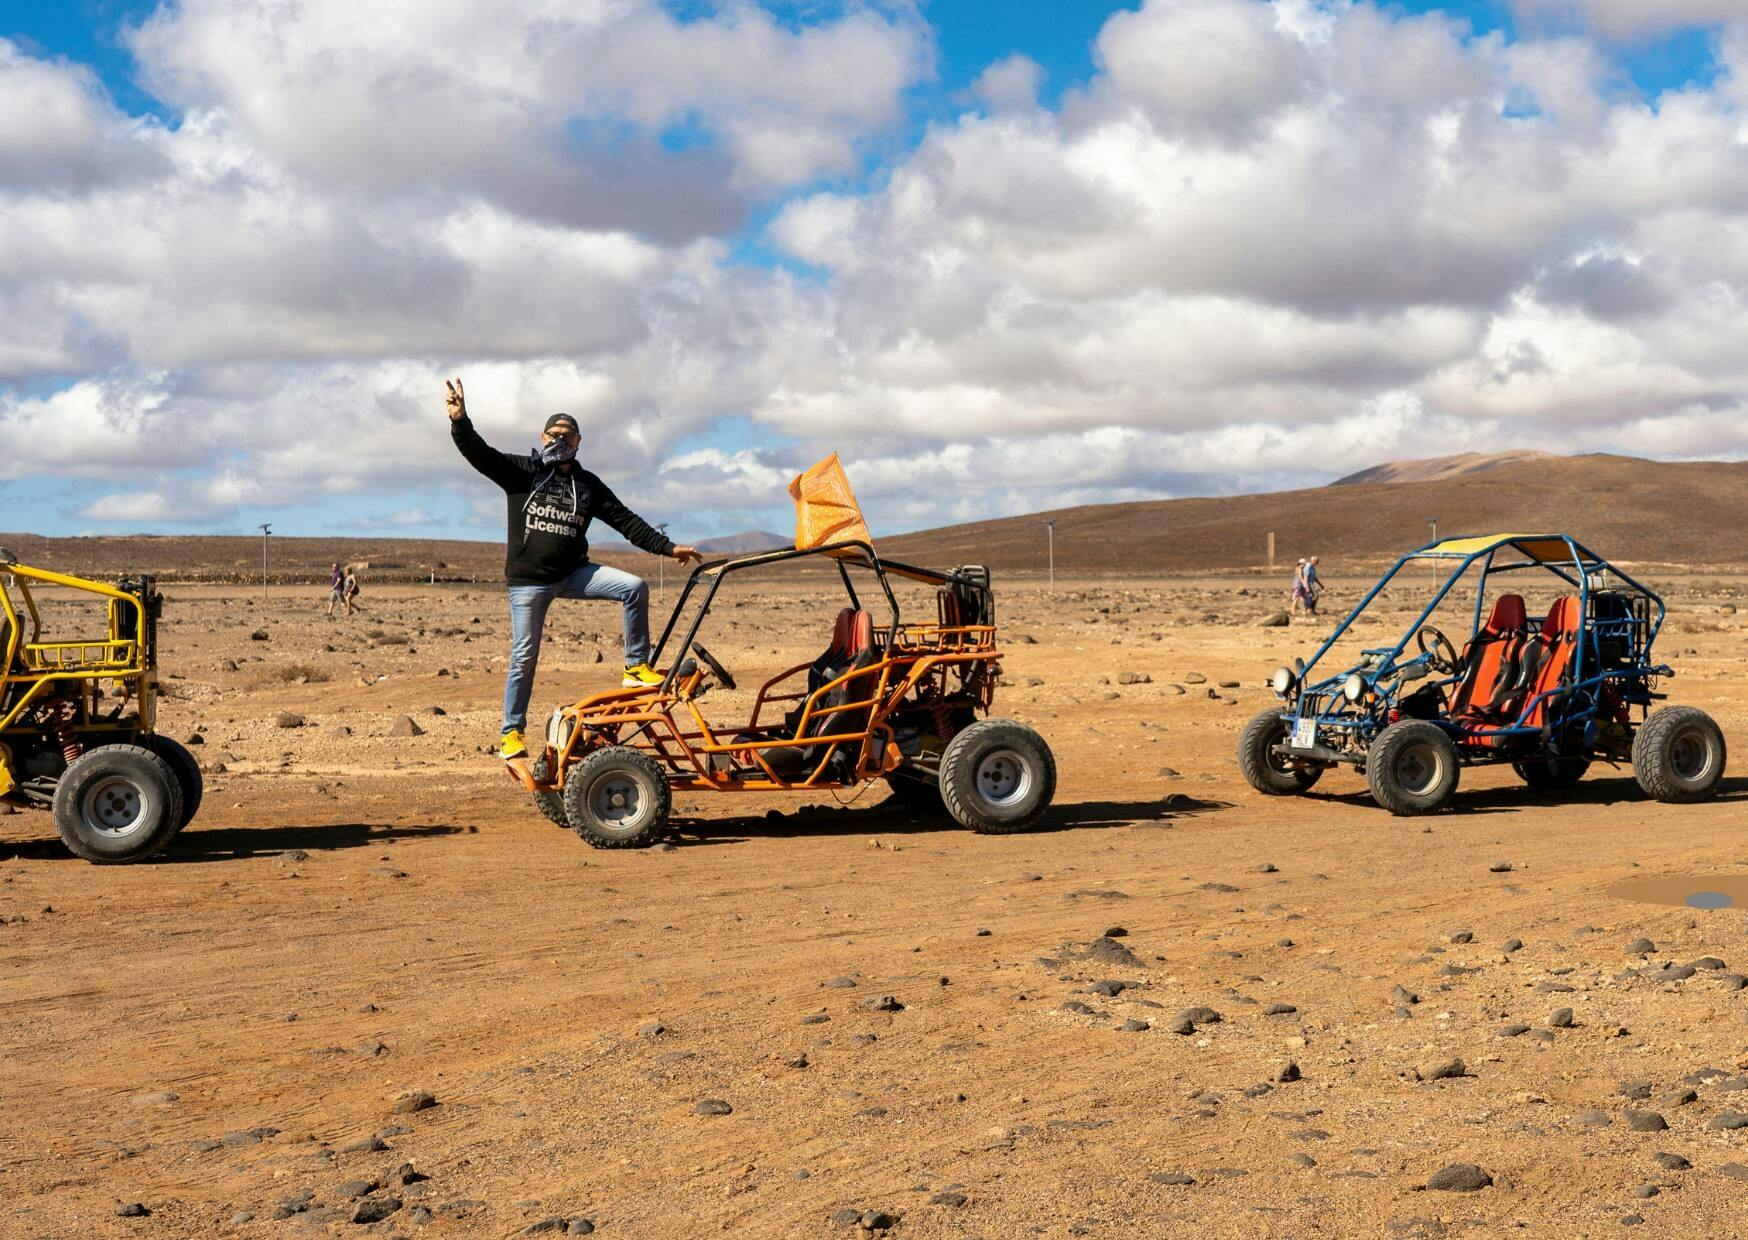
[(557, 452)]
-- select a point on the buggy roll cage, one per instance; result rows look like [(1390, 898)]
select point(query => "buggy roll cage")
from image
[(127, 653), (1559, 554), (848, 554)]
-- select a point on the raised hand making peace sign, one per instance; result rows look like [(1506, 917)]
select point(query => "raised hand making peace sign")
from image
[(456, 401)]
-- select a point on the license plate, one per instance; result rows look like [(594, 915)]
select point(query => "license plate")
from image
[(1305, 734)]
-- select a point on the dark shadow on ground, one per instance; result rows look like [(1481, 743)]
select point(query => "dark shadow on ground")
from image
[(893, 817), (237, 843), (1608, 789)]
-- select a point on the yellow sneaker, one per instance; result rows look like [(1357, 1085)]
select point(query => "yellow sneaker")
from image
[(514, 746), (641, 674)]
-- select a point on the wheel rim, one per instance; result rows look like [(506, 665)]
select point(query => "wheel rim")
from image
[(617, 801), (1280, 763), (113, 807), (1419, 768), (1690, 756), (1003, 777)]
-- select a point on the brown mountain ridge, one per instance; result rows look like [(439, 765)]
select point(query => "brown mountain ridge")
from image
[(1680, 512)]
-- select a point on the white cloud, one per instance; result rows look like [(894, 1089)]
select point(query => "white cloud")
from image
[(1265, 242), (1627, 19)]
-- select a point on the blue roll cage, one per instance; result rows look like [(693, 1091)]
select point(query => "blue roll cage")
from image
[(1384, 675)]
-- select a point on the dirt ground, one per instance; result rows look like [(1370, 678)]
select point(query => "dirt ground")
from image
[(222, 1035)]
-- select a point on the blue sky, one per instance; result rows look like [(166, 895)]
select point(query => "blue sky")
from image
[(763, 227)]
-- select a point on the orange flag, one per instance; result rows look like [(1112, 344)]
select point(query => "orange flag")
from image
[(825, 507)]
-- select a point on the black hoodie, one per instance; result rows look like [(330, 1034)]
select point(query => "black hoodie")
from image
[(549, 511)]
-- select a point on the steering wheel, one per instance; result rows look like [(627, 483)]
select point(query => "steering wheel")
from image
[(1440, 652), (714, 665)]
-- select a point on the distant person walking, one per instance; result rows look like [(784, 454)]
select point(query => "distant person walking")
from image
[(336, 588), (1306, 586), (349, 588), (550, 501)]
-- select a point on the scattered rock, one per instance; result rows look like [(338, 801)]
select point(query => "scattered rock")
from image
[(1646, 1121), (1186, 1021), (1641, 947), (1500, 867), (1459, 1178), (1671, 1162), (1275, 620), (404, 726), (375, 1209), (882, 1003), (133, 1209), (1561, 1019), (713, 1106), (417, 1100), (1443, 1070), (288, 719)]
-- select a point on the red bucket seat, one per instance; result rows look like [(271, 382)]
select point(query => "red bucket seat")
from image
[(1491, 662)]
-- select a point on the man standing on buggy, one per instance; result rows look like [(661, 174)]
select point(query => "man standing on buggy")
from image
[(550, 501)]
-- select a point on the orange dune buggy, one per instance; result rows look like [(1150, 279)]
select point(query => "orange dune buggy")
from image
[(903, 702)]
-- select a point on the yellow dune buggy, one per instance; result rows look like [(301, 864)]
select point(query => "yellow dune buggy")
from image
[(903, 702), (77, 719)]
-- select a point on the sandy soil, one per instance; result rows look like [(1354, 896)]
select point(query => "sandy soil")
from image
[(355, 916)]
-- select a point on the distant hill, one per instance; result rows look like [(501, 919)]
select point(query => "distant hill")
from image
[(1440, 468), (1686, 512), (728, 544)]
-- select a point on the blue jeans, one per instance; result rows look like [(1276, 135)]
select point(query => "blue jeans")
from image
[(528, 606)]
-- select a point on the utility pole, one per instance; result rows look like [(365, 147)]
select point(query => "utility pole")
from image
[(1433, 564), (1271, 551), (265, 531), (1050, 533), (662, 570)]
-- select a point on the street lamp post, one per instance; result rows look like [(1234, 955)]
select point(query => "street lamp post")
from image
[(265, 531), (1050, 533), (662, 570)]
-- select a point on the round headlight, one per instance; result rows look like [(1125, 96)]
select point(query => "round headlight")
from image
[(1282, 681), (1354, 687)]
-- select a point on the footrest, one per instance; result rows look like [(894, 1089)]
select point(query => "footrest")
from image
[(519, 770)]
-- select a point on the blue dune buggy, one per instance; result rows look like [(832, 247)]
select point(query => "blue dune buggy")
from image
[(1548, 694)]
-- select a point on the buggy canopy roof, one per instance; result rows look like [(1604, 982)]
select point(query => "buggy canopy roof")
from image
[(1542, 548)]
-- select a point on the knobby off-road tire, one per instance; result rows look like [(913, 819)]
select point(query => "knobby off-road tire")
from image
[(186, 770), (1412, 768), (549, 803), (1551, 774), (1679, 755), (997, 777), (117, 803), (1271, 775), (618, 798)]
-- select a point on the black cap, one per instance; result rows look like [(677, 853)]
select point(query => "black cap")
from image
[(556, 418)]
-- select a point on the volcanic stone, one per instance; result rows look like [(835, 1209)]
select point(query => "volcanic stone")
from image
[(1459, 1178)]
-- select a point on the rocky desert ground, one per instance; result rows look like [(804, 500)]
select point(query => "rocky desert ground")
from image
[(371, 991)]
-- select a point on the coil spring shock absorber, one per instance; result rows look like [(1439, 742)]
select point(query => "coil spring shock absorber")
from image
[(943, 720), (61, 723)]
